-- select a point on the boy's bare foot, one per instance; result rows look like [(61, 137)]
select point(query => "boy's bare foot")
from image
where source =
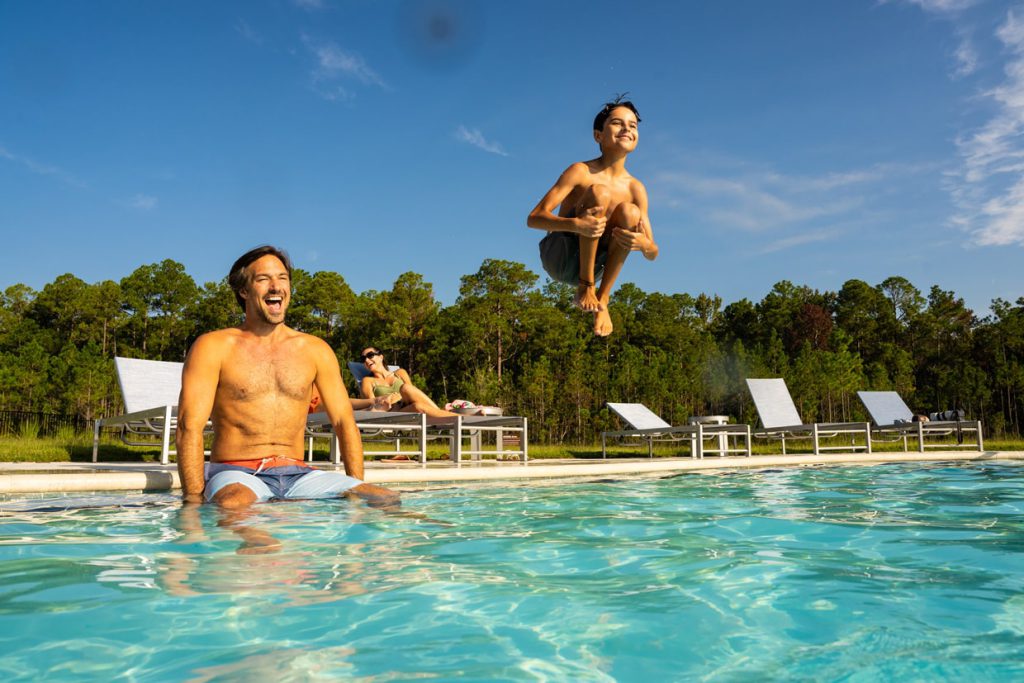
[(586, 298), (602, 321)]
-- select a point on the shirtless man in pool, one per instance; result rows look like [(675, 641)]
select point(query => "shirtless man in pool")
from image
[(602, 215), (255, 382)]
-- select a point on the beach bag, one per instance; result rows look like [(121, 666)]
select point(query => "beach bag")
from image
[(954, 415)]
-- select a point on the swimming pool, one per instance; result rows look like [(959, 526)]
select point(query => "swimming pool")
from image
[(853, 573)]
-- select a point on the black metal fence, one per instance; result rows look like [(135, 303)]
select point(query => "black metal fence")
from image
[(31, 424)]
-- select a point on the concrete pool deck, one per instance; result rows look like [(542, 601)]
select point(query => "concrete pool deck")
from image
[(65, 477)]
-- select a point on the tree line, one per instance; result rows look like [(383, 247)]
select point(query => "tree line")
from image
[(513, 341)]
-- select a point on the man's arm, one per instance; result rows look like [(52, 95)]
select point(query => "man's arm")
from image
[(643, 239), (339, 409), (198, 389), (543, 217)]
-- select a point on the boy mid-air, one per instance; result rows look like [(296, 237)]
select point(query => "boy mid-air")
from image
[(602, 216)]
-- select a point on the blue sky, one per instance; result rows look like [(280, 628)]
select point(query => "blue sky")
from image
[(802, 140)]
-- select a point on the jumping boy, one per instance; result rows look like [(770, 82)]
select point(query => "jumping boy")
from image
[(602, 216)]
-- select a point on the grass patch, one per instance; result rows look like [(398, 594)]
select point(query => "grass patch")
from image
[(77, 448), (71, 446)]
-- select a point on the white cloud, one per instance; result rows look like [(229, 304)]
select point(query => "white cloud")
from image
[(142, 202), (739, 198), (248, 32), (40, 168), (966, 59), (943, 6), (1012, 32), (829, 181), (966, 55), (476, 138), (987, 189), (333, 63), (1004, 216), (333, 92), (798, 240)]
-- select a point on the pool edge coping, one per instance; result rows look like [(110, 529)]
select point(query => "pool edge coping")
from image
[(157, 478)]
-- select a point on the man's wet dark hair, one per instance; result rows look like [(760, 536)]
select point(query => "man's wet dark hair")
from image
[(238, 278), (606, 110)]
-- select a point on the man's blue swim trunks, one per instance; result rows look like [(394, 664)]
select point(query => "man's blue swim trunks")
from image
[(280, 478)]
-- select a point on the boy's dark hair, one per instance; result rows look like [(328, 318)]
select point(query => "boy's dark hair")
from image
[(606, 110), (238, 278)]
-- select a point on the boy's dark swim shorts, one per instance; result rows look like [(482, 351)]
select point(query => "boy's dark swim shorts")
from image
[(560, 257)]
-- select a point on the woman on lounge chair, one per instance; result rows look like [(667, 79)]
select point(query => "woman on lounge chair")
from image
[(396, 388)]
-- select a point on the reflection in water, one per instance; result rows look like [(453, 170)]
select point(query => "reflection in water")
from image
[(286, 664), (303, 569)]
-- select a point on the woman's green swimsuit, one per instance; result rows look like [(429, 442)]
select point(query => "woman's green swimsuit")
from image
[(386, 390)]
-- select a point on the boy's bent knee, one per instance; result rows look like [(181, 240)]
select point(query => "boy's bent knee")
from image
[(627, 215)]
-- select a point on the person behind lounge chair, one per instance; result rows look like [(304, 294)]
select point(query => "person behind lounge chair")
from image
[(602, 216), (395, 387), (255, 382)]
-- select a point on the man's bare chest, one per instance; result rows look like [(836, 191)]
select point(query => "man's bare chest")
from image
[(257, 376)]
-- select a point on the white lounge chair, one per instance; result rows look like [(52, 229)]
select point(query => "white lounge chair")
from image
[(647, 426), (150, 389), (890, 415), (780, 419)]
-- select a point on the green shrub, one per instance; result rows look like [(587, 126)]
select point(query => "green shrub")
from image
[(68, 435), (29, 429)]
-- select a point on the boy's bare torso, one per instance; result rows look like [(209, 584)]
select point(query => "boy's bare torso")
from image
[(621, 187), (262, 397)]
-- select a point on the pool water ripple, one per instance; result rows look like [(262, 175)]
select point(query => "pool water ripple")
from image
[(863, 573)]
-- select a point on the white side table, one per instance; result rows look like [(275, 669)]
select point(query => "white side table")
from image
[(723, 439)]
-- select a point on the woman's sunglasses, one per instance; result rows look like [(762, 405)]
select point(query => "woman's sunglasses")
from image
[(369, 354)]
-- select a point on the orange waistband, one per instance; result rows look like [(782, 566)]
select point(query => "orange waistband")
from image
[(265, 463)]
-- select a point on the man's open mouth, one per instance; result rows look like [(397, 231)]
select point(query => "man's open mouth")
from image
[(274, 303)]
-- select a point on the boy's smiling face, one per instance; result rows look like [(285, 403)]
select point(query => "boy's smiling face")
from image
[(620, 131)]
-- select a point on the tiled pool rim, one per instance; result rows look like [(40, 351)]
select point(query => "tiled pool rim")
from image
[(65, 477)]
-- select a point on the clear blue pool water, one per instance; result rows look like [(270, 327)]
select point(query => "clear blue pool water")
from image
[(809, 574)]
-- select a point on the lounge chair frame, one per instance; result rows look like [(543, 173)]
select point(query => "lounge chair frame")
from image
[(657, 430), (891, 416), (419, 428)]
